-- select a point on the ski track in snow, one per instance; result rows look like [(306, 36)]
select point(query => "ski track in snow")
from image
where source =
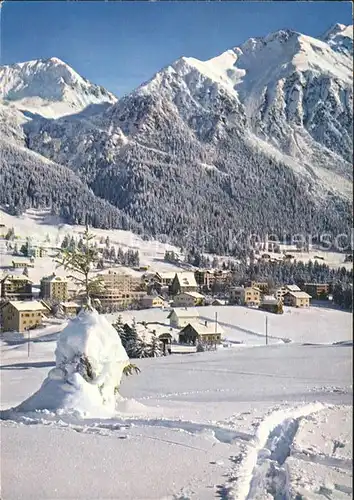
[(261, 471), (258, 472)]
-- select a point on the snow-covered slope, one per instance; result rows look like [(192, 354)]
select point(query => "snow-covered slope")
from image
[(50, 88)]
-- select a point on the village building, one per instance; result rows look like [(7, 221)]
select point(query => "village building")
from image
[(16, 287), (262, 285), (166, 341), (152, 301), (218, 302), (283, 290), (249, 296), (208, 279), (163, 281), (271, 304), (54, 288), (209, 333), (318, 291), (181, 317), (36, 252), (120, 290), (183, 282), (22, 264), (70, 308), (188, 299), (297, 299), (20, 316)]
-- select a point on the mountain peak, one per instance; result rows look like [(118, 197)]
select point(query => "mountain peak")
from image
[(340, 38), (336, 29), (49, 87)]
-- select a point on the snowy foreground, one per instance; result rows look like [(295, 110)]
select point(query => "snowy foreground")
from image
[(246, 422)]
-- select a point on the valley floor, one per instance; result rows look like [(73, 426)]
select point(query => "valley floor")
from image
[(247, 422)]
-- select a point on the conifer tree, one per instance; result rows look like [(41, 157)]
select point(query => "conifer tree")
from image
[(155, 349), (81, 262)]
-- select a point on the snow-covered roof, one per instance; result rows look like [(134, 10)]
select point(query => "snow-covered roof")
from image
[(208, 329), (54, 277), (293, 288), (18, 277), (28, 305), (184, 313), (167, 275), (220, 302), (152, 297), (70, 304), (269, 299), (186, 279), (196, 295), (300, 295)]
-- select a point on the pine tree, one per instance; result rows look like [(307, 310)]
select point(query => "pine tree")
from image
[(112, 253), (131, 339), (25, 271), (72, 244), (100, 264), (24, 249), (10, 235), (142, 348), (81, 262), (65, 242), (120, 256), (118, 325), (155, 348)]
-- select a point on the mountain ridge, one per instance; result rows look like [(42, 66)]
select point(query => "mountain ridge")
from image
[(203, 141)]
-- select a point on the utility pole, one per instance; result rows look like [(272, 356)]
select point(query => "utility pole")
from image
[(216, 327), (28, 342), (266, 326)]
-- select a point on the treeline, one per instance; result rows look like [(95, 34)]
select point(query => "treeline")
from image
[(129, 258), (296, 272), (343, 295)]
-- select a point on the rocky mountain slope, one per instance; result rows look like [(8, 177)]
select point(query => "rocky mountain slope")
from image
[(257, 139), (28, 179)]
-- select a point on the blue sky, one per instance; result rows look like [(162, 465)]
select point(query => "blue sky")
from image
[(121, 44)]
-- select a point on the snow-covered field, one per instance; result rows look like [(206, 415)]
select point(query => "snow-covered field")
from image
[(38, 224), (245, 422), (315, 325), (249, 421)]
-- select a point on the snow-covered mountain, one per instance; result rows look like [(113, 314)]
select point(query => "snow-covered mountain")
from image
[(259, 137), (50, 88)]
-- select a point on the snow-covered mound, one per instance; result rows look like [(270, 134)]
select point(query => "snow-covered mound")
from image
[(90, 360), (50, 88)]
